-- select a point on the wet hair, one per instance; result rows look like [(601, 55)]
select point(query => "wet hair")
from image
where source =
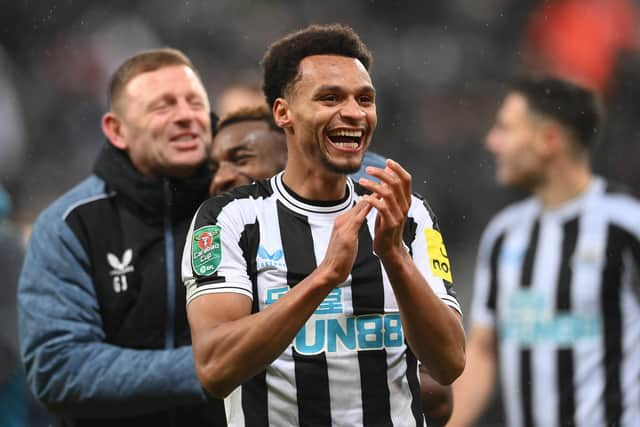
[(249, 114), (577, 109), (144, 62), (280, 62)]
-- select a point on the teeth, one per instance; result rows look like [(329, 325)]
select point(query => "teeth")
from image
[(347, 144), (344, 132), (184, 138)]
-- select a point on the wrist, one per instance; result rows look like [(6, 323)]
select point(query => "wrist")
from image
[(396, 257), (325, 277)]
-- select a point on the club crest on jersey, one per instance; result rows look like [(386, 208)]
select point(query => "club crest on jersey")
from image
[(439, 258), (120, 268), (206, 250)]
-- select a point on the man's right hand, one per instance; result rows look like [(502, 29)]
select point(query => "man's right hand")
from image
[(343, 244)]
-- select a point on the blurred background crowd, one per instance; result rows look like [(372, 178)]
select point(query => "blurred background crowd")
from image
[(440, 69)]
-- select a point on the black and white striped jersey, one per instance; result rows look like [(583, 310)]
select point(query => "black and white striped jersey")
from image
[(349, 365), (561, 287)]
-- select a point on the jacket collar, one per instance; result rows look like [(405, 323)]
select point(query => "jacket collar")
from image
[(151, 197)]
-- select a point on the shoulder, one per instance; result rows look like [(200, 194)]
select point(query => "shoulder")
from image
[(510, 217), (619, 195), (62, 210), (619, 204), (239, 201)]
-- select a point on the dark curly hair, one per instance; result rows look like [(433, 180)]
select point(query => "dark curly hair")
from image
[(280, 62)]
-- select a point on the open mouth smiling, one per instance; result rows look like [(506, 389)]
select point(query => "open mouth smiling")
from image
[(346, 139)]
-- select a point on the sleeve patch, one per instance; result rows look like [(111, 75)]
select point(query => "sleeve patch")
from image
[(206, 250), (440, 265)]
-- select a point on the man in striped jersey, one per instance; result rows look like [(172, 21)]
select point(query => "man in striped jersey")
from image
[(315, 295), (556, 297)]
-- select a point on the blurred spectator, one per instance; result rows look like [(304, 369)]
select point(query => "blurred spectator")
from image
[(13, 395), (581, 40), (12, 135), (239, 94)]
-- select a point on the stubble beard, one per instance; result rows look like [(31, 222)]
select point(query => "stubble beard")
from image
[(344, 170)]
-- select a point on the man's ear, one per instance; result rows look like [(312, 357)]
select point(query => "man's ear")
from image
[(112, 129), (281, 113), (552, 139)]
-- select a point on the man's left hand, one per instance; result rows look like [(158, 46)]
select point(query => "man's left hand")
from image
[(392, 198)]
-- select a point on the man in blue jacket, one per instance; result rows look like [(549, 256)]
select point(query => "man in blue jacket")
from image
[(104, 336)]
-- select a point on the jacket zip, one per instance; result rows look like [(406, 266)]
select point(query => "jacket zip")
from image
[(169, 253)]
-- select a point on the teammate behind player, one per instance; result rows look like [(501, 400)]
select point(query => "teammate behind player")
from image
[(248, 147), (557, 287)]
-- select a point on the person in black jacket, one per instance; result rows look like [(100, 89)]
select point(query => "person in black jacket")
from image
[(104, 335)]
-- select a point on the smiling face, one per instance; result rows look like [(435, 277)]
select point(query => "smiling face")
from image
[(162, 121), (515, 141), (329, 114), (243, 152)]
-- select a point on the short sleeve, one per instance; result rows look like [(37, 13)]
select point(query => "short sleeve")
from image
[(484, 302), (429, 252), (213, 260)]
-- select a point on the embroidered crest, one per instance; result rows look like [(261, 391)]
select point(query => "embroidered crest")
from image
[(206, 250)]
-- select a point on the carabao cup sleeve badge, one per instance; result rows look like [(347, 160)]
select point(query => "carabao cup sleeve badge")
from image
[(206, 250)]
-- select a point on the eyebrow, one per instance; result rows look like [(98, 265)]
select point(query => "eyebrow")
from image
[(336, 88)]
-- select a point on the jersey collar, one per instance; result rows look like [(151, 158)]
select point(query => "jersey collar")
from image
[(295, 203)]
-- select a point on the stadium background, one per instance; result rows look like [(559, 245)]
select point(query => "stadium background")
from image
[(440, 68)]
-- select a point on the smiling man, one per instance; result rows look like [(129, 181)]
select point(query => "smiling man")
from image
[(317, 296), (103, 327)]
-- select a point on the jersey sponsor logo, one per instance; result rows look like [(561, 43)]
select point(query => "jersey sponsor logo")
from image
[(329, 330), (268, 259), (440, 265), (529, 319), (120, 268), (206, 250), (349, 333)]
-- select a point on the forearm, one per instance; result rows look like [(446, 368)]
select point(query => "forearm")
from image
[(473, 390), (98, 379), (432, 329), (256, 340)]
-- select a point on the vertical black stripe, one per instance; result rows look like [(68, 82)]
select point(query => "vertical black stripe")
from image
[(312, 376), (249, 241), (525, 353), (254, 393), (492, 299), (612, 316), (414, 386), (367, 291), (409, 233), (564, 356), (254, 401)]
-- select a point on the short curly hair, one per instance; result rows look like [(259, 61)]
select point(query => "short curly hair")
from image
[(280, 62), (259, 113)]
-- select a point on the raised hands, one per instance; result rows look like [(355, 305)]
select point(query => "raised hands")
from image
[(392, 198), (343, 244)]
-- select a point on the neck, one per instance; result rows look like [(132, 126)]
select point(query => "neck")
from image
[(562, 184), (315, 184)]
